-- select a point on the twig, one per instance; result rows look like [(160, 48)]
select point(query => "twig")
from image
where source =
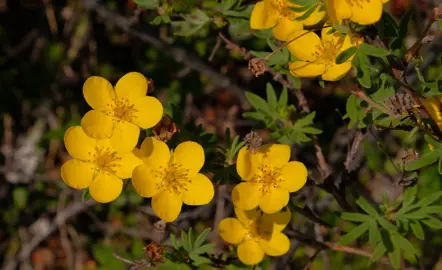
[(179, 55), (351, 154), (215, 49), (67, 213), (364, 97)]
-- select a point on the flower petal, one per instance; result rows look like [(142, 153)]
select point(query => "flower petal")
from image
[(231, 230), (125, 136), (335, 72), (126, 164), (285, 27), (190, 155), (306, 69), (305, 45), (274, 200), (99, 93), (243, 163), (146, 183), (199, 191), (276, 245), (271, 223), (338, 10), (77, 174), (132, 85), (167, 205), (78, 144), (250, 252), (293, 176), (149, 111), (155, 153), (246, 195), (366, 12), (263, 17), (277, 155), (105, 187), (314, 18), (247, 216), (97, 125)]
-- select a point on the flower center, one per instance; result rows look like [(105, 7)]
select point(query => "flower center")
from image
[(267, 177), (252, 231), (123, 110), (104, 160), (175, 178)]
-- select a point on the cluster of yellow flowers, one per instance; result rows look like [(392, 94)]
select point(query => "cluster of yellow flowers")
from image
[(104, 152), (268, 177), (315, 56)]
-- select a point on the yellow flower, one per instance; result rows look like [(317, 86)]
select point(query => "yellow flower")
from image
[(433, 107), (277, 14), (172, 179), (318, 56), (360, 11), (256, 234), (119, 113), (96, 164), (269, 178)]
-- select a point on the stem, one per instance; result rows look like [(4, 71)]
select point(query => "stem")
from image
[(363, 96)]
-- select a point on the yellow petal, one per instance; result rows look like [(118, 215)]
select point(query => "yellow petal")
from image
[(305, 45), (262, 17), (105, 187), (190, 155), (293, 176), (271, 223), (250, 252), (126, 165), (314, 18), (276, 245), (78, 144), (99, 93), (125, 136), (199, 191), (77, 174), (366, 12), (167, 205), (333, 38), (246, 217), (338, 10), (243, 163), (155, 153), (132, 85), (97, 124), (231, 230), (274, 200), (149, 111), (331, 12), (145, 182), (335, 72), (306, 69), (285, 27), (433, 106), (246, 195), (137, 153), (277, 155)]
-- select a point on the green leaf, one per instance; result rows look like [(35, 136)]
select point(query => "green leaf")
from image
[(185, 241), (148, 4), (354, 234), (427, 159), (432, 223), (395, 258), (378, 252), (431, 210), (204, 249), (254, 115), (355, 217), (198, 260), (307, 13), (20, 195), (345, 55), (417, 229), (303, 2), (190, 238), (429, 199), (271, 98), (386, 224), (403, 243), (373, 233), (173, 241), (201, 237), (367, 207), (403, 25), (372, 50), (257, 102), (304, 121), (409, 196), (283, 98), (86, 195)]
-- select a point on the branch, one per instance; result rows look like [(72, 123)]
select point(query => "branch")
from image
[(178, 54)]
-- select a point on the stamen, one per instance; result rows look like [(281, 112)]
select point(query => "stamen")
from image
[(104, 160), (268, 177), (174, 178), (123, 110)]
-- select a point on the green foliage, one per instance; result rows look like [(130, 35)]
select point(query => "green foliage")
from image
[(428, 158)]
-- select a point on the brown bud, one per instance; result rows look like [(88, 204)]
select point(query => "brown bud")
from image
[(155, 252), (165, 129), (253, 141), (150, 86), (257, 66)]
